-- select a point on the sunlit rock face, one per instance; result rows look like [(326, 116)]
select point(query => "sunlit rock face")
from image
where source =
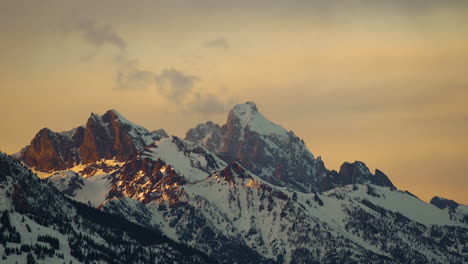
[(51, 151), (109, 136)]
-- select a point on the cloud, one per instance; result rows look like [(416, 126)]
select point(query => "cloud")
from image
[(99, 35), (207, 104), (130, 76), (175, 84), (217, 43)]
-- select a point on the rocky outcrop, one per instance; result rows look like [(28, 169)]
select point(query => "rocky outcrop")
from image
[(232, 172), (160, 132), (443, 203), (208, 135), (146, 180), (358, 173), (67, 182), (381, 179), (109, 136), (50, 151)]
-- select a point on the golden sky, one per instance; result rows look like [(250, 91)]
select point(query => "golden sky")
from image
[(384, 82)]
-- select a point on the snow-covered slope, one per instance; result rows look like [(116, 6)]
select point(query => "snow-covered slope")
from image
[(398, 202), (195, 198), (188, 159), (455, 210), (357, 222), (38, 224), (92, 191)]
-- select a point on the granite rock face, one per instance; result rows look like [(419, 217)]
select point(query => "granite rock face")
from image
[(51, 151), (109, 136)]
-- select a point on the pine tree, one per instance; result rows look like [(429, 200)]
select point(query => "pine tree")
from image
[(30, 259), (5, 219)]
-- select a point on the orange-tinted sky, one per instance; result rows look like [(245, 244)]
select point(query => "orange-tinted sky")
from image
[(384, 82)]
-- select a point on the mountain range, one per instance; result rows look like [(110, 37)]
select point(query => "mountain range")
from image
[(248, 191)]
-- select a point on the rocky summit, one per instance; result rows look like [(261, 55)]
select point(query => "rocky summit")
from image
[(109, 136), (275, 154)]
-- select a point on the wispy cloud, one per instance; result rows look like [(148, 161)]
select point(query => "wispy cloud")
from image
[(175, 84), (99, 35), (220, 42), (131, 77)]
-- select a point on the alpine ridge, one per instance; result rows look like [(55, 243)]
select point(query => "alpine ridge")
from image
[(248, 191), (276, 155)]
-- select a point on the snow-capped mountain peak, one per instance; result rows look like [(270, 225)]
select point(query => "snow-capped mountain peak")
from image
[(276, 155), (247, 116)]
